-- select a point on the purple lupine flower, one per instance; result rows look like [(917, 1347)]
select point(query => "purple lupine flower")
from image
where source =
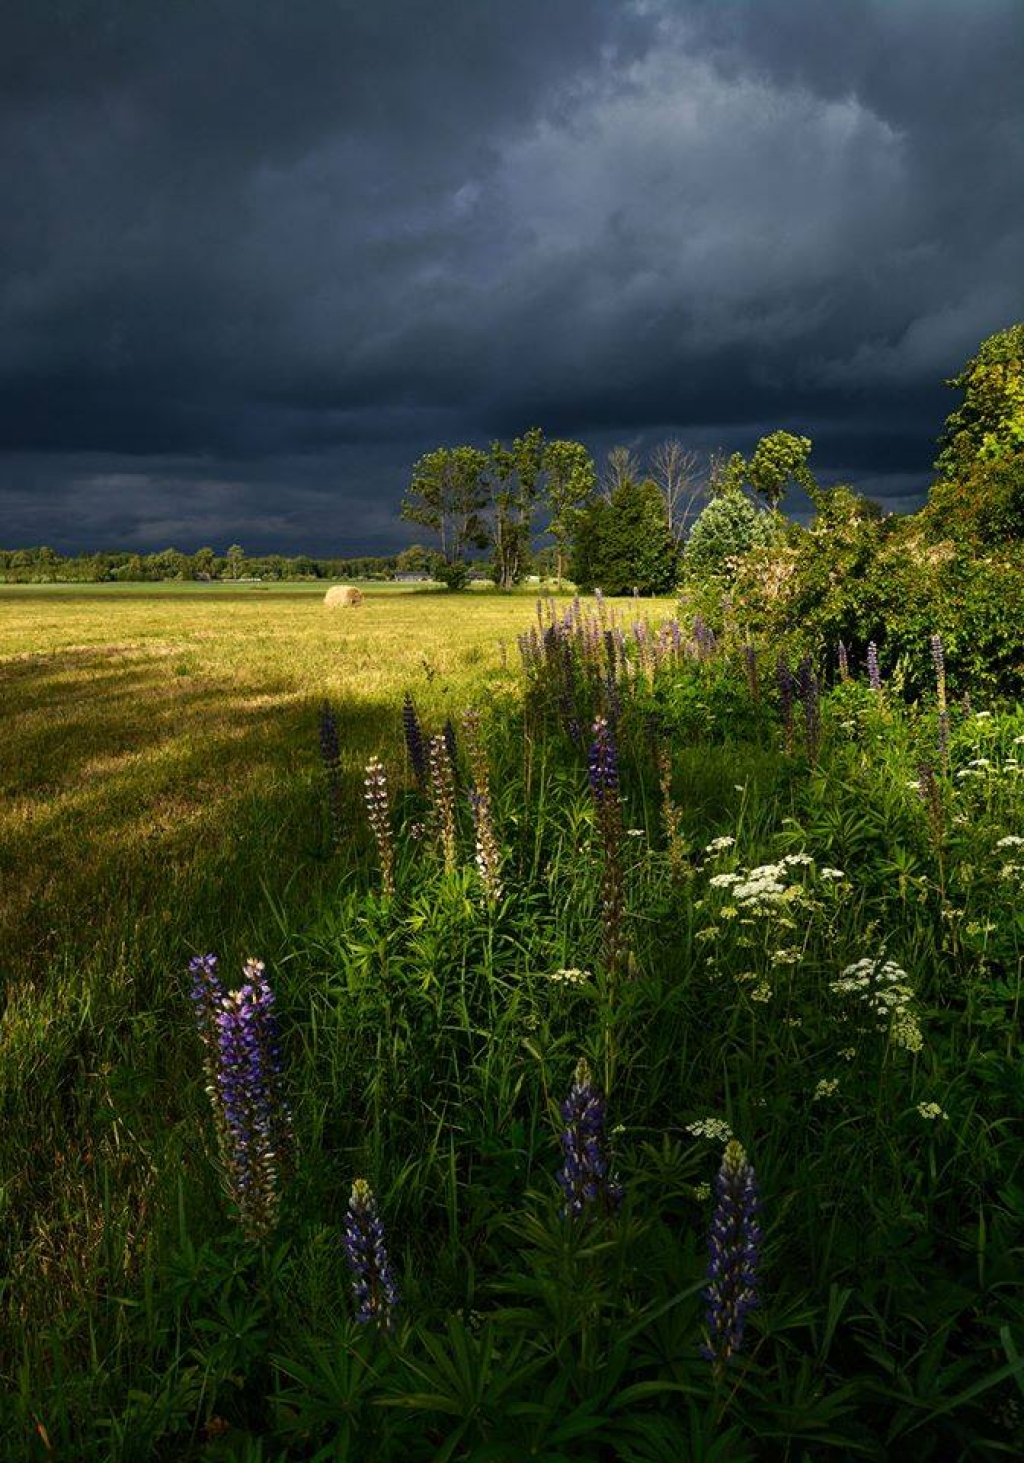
[(734, 1245), (414, 741), (874, 675), (603, 768), (844, 662), (603, 771), (567, 692), (585, 1176), (330, 752), (807, 690), (253, 1118), (207, 994), (373, 1281)]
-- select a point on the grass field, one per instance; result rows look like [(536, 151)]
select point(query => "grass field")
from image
[(161, 748), (786, 910)]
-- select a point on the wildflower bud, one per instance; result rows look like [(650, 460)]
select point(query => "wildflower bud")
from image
[(414, 741), (373, 1281), (585, 1177), (734, 1245)]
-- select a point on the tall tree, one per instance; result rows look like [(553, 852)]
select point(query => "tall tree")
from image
[(674, 469), (515, 480), (448, 494), (571, 480), (779, 458)]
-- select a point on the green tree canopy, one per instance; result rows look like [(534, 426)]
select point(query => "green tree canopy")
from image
[(624, 542), (448, 494), (779, 458), (989, 423), (571, 481)]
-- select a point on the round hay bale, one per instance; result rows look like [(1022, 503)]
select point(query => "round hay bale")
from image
[(343, 595)]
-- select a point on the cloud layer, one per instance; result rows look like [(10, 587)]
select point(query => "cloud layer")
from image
[(256, 258)]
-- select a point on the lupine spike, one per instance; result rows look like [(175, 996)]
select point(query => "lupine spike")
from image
[(378, 808), (373, 1282), (734, 1247), (874, 674), (442, 792), (488, 854), (603, 772), (414, 741), (585, 1177), (931, 796), (844, 662), (939, 662), (246, 1088)]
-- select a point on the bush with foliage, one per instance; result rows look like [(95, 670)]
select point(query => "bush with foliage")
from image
[(728, 528)]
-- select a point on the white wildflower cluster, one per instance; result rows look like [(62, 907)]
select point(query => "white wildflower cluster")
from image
[(978, 768), (932, 1112), (827, 1087), (716, 1128), (885, 990), (770, 884), (719, 845), (571, 976), (1012, 840)]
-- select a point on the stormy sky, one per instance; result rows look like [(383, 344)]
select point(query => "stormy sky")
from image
[(257, 255)]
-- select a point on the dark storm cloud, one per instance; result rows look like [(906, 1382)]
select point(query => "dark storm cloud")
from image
[(255, 258)]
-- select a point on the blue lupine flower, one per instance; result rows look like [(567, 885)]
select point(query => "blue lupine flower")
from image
[(734, 1246), (585, 1176), (603, 767), (373, 1281), (245, 1068), (414, 740)]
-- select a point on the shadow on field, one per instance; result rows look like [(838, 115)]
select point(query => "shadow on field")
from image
[(148, 810)]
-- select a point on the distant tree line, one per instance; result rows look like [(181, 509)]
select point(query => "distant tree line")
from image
[(45, 566)]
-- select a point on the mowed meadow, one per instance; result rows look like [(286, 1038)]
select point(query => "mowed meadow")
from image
[(634, 1070)]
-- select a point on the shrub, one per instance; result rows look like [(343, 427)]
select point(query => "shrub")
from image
[(729, 527)]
